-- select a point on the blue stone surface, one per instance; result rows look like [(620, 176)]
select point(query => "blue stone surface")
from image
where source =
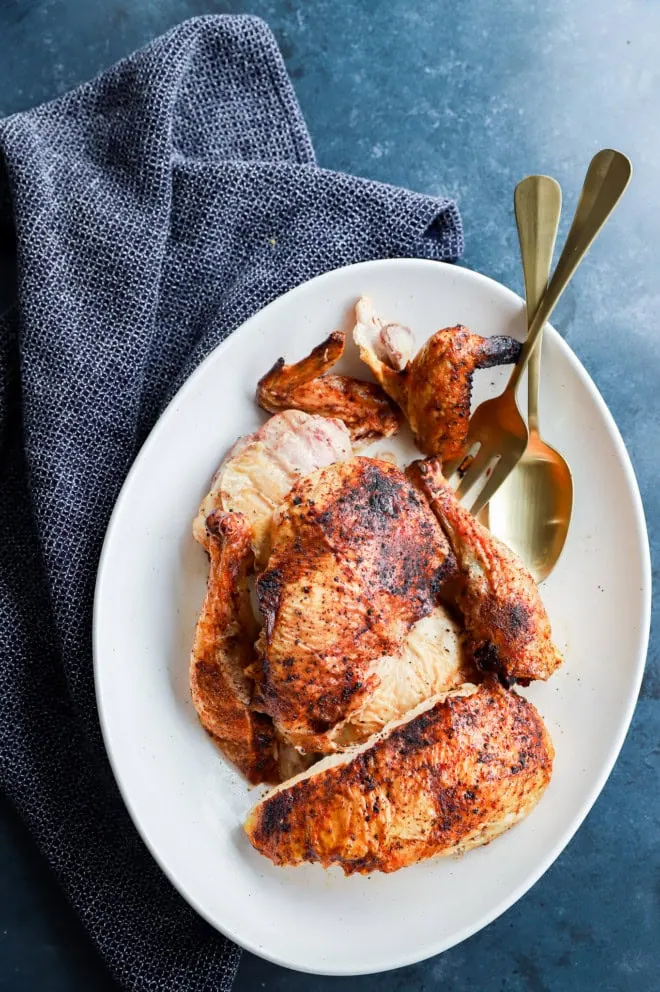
[(462, 98)]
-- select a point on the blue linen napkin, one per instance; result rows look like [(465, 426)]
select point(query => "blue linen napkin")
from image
[(143, 217)]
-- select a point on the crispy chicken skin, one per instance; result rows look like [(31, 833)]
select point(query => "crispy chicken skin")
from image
[(362, 406), (224, 647), (260, 469), (439, 386), (452, 776), (378, 690), (506, 623), (357, 559), (434, 388)]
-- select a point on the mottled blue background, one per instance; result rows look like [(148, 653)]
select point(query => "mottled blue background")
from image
[(463, 98)]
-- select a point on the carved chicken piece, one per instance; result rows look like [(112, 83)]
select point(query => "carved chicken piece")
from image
[(362, 406), (224, 647), (432, 659), (260, 469), (439, 383), (453, 775), (434, 388), (357, 559), (506, 623)]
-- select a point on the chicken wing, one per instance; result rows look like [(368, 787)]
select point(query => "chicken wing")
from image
[(261, 468), (357, 559), (362, 406), (453, 775), (506, 623), (222, 650), (433, 389)]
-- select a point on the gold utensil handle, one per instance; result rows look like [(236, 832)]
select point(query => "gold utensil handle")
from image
[(537, 205), (607, 177)]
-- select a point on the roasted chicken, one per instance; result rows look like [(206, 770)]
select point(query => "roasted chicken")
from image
[(261, 468), (374, 684), (224, 647), (434, 388), (506, 623), (454, 774), (357, 559), (362, 406)]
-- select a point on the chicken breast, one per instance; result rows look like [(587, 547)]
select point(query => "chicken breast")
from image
[(366, 410), (434, 388), (261, 468), (224, 648), (456, 773), (507, 626), (357, 559)]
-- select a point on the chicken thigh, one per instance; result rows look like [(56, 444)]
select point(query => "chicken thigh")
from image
[(452, 775), (434, 388), (362, 406), (224, 648), (357, 559), (506, 623)]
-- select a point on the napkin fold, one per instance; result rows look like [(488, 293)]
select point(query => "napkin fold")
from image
[(143, 217)]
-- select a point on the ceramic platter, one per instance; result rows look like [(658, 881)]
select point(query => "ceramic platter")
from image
[(188, 803)]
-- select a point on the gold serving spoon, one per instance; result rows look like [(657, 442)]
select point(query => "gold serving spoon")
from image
[(496, 426), (531, 511)]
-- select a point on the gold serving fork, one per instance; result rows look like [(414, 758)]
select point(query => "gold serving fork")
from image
[(496, 427)]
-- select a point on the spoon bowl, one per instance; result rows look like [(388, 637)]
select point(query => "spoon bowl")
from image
[(531, 512)]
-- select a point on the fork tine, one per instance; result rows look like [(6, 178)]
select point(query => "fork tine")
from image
[(450, 468), (503, 468), (480, 463)]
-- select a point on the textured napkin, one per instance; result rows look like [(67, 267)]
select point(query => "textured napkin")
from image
[(143, 217)]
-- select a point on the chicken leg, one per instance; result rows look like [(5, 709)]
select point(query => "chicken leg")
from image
[(506, 623), (222, 650)]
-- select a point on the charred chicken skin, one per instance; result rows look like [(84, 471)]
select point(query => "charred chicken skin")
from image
[(434, 388), (357, 559), (453, 775), (224, 647), (362, 406), (394, 624), (506, 623)]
